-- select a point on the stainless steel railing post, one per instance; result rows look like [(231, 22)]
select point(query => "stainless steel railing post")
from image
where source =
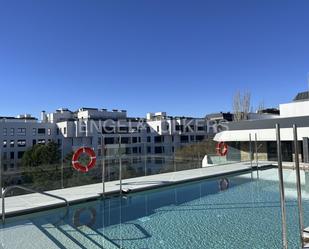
[(298, 184), (250, 149), (120, 165), (3, 207), (281, 188), (256, 152), (1, 173), (103, 165), (62, 165)]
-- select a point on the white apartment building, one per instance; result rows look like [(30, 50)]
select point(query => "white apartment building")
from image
[(157, 134)]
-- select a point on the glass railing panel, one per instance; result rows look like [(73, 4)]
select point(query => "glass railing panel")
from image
[(48, 166)]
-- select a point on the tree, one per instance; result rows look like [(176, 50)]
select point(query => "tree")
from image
[(241, 105), (41, 155), (40, 165), (261, 107)]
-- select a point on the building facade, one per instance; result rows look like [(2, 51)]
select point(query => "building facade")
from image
[(104, 131)]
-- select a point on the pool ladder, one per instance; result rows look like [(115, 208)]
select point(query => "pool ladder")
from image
[(303, 233), (6, 190)]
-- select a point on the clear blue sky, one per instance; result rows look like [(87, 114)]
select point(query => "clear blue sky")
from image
[(183, 57)]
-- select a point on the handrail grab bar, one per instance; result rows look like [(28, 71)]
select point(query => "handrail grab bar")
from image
[(29, 190), (298, 184), (281, 188)]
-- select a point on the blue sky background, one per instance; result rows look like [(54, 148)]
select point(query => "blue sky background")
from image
[(183, 57)]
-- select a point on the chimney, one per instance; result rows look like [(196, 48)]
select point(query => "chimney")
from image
[(43, 117)]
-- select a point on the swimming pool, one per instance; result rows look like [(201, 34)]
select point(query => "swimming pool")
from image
[(240, 211)]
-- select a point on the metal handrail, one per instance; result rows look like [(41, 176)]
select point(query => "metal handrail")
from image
[(29, 190), (281, 189), (298, 184)]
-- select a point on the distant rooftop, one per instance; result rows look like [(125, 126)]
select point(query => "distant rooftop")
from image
[(302, 96), (220, 115), (269, 111), (19, 117)]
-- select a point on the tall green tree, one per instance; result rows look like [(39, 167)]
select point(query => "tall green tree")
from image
[(40, 166)]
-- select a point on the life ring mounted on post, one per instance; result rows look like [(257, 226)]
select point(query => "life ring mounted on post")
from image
[(222, 149), (75, 159)]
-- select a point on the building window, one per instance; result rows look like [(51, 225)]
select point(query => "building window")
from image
[(5, 131), (158, 128), (184, 139), (48, 131), (109, 140), (148, 149), (4, 143), (134, 140), (192, 138), (128, 150), (21, 143), (124, 140), (41, 141), (41, 131), (159, 139), (20, 154), (12, 166), (64, 130), (5, 156), (57, 131), (21, 131), (158, 150), (12, 143), (200, 128), (34, 131), (99, 141), (134, 150), (33, 142), (148, 129), (12, 155), (12, 131), (5, 167), (148, 139), (199, 138)]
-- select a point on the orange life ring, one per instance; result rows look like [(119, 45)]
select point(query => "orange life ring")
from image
[(80, 167), (222, 149)]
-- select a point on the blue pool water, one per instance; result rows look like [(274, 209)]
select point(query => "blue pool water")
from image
[(231, 212)]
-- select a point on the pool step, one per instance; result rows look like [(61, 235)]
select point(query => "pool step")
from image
[(82, 239), (99, 238), (59, 236)]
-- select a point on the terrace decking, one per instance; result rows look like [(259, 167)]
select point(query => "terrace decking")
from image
[(33, 202)]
